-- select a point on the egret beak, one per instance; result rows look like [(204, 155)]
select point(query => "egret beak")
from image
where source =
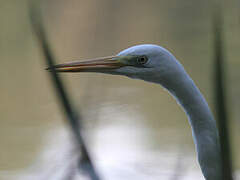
[(93, 65)]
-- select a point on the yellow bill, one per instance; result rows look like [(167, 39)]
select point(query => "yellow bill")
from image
[(92, 65)]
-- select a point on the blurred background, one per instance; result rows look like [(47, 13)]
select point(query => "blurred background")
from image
[(133, 128)]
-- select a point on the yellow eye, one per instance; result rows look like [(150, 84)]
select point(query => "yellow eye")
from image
[(142, 59)]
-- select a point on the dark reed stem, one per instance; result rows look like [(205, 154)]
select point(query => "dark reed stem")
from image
[(73, 118), (220, 96)]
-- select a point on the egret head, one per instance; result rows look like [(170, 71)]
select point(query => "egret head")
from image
[(147, 62)]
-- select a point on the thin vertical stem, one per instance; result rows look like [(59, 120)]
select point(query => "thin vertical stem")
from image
[(220, 97)]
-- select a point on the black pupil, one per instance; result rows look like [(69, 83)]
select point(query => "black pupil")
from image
[(142, 60)]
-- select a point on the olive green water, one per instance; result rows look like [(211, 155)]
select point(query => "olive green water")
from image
[(129, 123)]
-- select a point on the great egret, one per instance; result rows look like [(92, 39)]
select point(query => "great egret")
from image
[(155, 64)]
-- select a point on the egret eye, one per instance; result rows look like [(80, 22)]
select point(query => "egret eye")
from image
[(142, 60)]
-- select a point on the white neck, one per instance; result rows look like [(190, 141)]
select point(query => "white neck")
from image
[(204, 130)]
